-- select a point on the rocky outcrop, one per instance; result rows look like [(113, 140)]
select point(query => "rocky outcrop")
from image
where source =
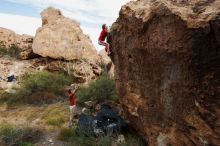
[(107, 63), (62, 38), (167, 69), (7, 37), (24, 42), (81, 71)]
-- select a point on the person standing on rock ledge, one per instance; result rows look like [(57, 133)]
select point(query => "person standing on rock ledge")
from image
[(102, 38), (72, 101)]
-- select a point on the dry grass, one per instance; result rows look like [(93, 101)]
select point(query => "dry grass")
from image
[(18, 135), (56, 115), (45, 116)]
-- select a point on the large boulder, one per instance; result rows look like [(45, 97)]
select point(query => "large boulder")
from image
[(62, 38), (23, 42), (167, 69)]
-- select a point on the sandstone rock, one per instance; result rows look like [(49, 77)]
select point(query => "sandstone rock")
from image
[(166, 55), (85, 72), (106, 61), (62, 38), (7, 37), (24, 42)]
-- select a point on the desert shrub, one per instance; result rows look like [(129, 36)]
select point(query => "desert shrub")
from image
[(40, 87), (4, 97), (9, 134), (3, 51), (13, 51), (46, 81), (100, 90), (69, 135), (15, 135), (65, 134), (26, 144), (105, 141)]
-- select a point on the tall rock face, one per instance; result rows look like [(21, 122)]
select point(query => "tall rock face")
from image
[(24, 42), (62, 38), (167, 69)]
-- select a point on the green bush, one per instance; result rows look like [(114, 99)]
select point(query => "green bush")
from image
[(9, 134), (66, 134), (41, 87), (69, 135), (25, 144), (100, 90), (13, 51), (4, 97), (46, 81), (14, 135), (105, 141), (3, 51)]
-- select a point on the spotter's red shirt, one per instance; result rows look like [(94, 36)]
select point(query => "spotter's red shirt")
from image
[(72, 99)]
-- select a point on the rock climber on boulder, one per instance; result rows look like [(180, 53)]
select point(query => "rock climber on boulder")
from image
[(102, 38)]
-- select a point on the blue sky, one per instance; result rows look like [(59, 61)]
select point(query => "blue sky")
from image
[(18, 9), (23, 16)]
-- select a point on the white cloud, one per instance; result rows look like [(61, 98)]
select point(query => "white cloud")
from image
[(84, 18), (20, 24), (107, 9)]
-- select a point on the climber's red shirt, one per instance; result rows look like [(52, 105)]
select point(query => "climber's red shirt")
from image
[(103, 35), (72, 99)]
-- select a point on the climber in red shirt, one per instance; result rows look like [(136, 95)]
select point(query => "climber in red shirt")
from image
[(72, 101), (102, 37)]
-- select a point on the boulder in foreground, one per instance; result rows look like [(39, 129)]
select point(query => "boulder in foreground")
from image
[(167, 69)]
